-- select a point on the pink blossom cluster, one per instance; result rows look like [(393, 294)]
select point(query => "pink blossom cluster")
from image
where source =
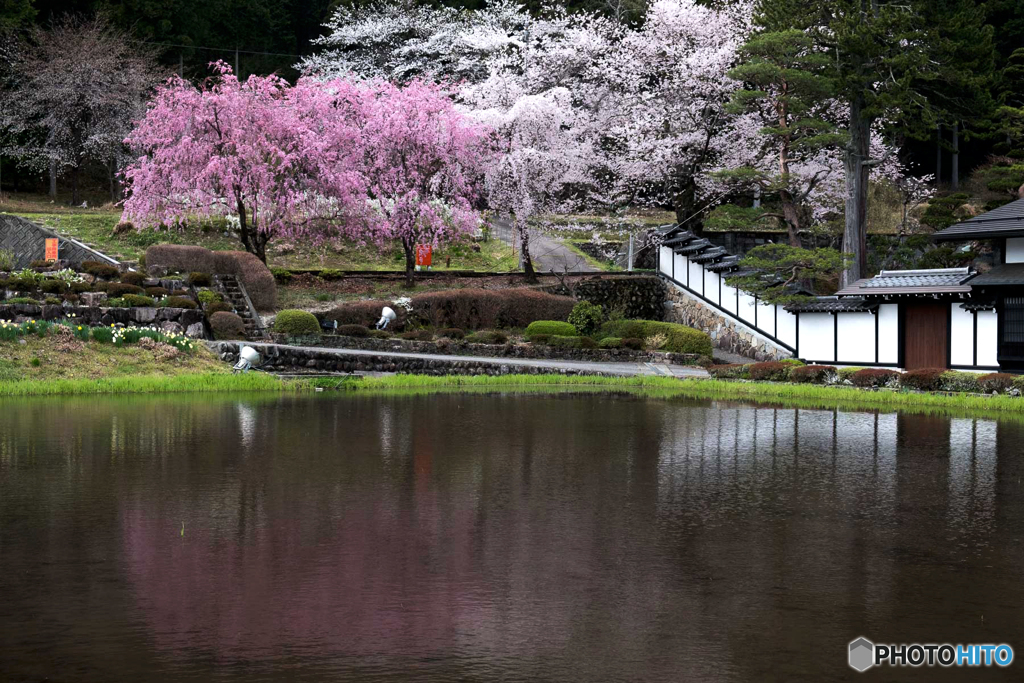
[(361, 159)]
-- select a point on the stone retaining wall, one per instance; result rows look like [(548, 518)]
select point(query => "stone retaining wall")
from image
[(176, 320), (511, 350), (635, 296), (725, 334), (281, 358), (28, 242)]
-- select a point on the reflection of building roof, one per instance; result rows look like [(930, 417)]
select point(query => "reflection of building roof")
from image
[(1006, 274), (935, 281), (1005, 221), (833, 304)]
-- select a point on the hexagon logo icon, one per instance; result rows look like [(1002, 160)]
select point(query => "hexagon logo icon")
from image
[(862, 654)]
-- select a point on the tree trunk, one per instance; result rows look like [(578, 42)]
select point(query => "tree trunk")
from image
[(791, 217), (410, 263), (74, 185), (855, 233), (112, 168), (938, 153), (684, 203), (954, 176), (53, 179), (522, 234)]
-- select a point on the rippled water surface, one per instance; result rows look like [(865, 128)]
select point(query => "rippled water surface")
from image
[(497, 537)]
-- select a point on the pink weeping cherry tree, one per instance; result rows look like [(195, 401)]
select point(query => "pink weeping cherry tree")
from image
[(283, 160), (423, 160)]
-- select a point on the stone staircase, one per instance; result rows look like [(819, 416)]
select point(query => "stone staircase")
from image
[(234, 294)]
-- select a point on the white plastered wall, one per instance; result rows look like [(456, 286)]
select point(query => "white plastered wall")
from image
[(856, 342)]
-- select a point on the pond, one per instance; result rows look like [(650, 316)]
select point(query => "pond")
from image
[(486, 537)]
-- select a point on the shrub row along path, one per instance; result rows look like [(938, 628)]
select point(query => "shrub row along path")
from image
[(617, 368), (549, 255)]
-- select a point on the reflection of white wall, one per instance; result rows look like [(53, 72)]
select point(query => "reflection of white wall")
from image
[(961, 336), (972, 480), (988, 338), (889, 334), (817, 337), (856, 338), (786, 331), (1015, 250)]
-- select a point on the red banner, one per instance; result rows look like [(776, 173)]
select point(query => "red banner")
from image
[(51, 248), (424, 255)]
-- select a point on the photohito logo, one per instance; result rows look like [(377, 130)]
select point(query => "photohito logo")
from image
[(863, 654)]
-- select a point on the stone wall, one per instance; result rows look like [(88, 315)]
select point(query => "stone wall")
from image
[(176, 320), (511, 350), (28, 242), (280, 358), (725, 334), (635, 296)]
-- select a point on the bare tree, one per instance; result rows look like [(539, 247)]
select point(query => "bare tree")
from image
[(77, 87)]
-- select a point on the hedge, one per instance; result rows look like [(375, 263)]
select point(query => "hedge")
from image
[(610, 343), (925, 379), (775, 371), (451, 333), (487, 337), (729, 371), (227, 326), (812, 374), (474, 309), (296, 323), (572, 342), (364, 313), (258, 280), (996, 381), (550, 328), (873, 377), (353, 330), (178, 302), (680, 338)]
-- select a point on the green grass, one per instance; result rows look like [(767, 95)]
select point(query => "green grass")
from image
[(150, 384)]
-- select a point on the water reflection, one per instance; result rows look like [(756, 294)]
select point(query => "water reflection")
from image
[(463, 537)]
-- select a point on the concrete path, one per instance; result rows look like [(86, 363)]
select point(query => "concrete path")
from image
[(624, 369), (548, 254)]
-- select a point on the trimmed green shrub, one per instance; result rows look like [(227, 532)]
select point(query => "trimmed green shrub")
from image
[(487, 337), (52, 286), (540, 339), (812, 374), (21, 300), (610, 343), (451, 333), (418, 335), (101, 270), (133, 278), (21, 284), (874, 377), (953, 380), (633, 343), (227, 326), (116, 302), (282, 275), (218, 306), (995, 381), (925, 379), (116, 289), (680, 338), (80, 287), (795, 362), (847, 373), (381, 334), (586, 317), (550, 328), (156, 292), (573, 342), (200, 279), (729, 371), (208, 296), (354, 330), (138, 301), (331, 274), (364, 313), (773, 371), (178, 302), (52, 301), (296, 323), (40, 263)]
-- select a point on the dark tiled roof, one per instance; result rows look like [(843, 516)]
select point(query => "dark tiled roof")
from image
[(936, 281), (694, 247), (978, 306), (727, 263), (709, 255), (1006, 274), (1006, 221), (678, 238), (831, 304)]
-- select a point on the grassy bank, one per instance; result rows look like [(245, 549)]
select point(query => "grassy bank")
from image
[(150, 384)]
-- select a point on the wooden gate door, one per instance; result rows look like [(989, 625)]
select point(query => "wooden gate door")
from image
[(926, 335)]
